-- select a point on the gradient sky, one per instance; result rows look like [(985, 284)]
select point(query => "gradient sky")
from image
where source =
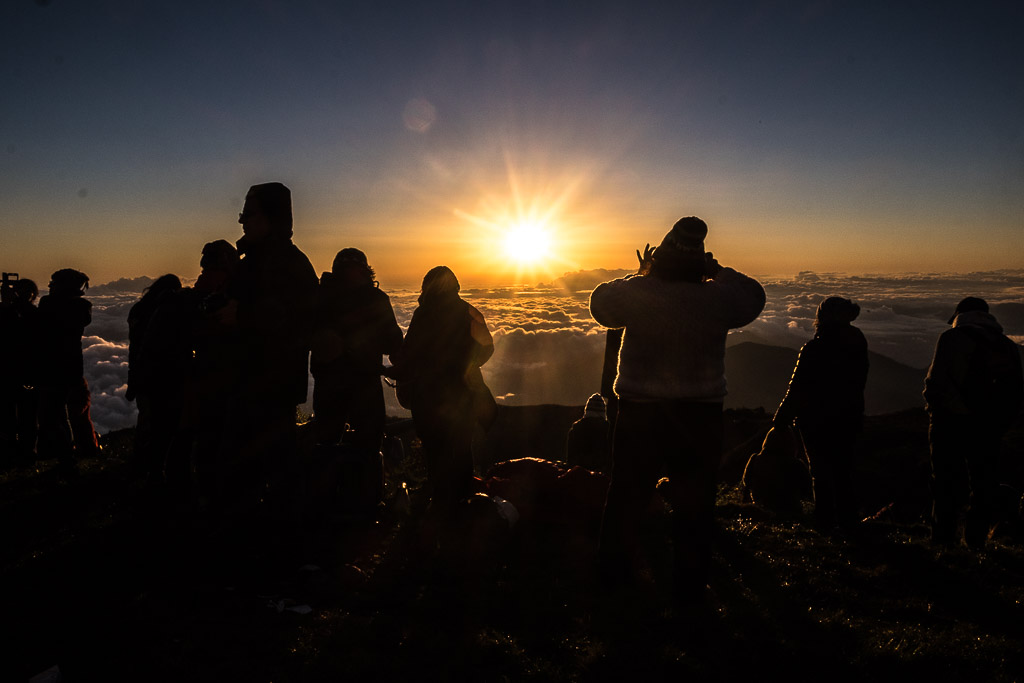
[(831, 136)]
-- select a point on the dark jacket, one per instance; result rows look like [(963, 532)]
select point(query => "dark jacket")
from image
[(975, 372), (62, 322), (352, 330), (19, 347), (827, 386), (445, 346), (275, 287)]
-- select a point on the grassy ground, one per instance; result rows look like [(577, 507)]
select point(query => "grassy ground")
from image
[(100, 580)]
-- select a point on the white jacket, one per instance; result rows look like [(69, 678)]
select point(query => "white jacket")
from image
[(674, 343)]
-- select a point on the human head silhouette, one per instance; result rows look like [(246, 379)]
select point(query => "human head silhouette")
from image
[(680, 256), (267, 212), (439, 282), (968, 304)]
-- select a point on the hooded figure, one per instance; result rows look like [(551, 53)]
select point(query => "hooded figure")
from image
[(439, 368), (826, 400), (973, 394)]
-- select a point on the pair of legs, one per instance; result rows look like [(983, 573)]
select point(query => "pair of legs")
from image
[(830, 452), (964, 460), (257, 458), (357, 400), (65, 421), (445, 427), (18, 426), (684, 438)]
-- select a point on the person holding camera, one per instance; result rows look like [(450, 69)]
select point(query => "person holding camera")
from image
[(19, 365), (676, 313)]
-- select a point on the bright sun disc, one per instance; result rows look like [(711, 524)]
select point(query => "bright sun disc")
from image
[(527, 243)]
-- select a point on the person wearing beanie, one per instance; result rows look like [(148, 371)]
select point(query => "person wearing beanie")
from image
[(825, 399), (973, 393), (270, 308), (676, 313), (587, 444), (354, 326)]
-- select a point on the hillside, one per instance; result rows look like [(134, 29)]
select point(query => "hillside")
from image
[(758, 375), (104, 579)]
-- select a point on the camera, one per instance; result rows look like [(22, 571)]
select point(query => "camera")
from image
[(7, 286)]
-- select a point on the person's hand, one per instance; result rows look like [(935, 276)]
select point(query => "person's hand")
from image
[(646, 260), (711, 265)]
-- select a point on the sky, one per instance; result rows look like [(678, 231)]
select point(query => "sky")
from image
[(848, 137)]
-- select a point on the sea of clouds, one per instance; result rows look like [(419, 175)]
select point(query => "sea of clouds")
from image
[(549, 350)]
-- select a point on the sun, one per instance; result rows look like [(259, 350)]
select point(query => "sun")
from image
[(527, 242)]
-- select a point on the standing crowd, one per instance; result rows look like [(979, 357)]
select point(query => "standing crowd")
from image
[(217, 371)]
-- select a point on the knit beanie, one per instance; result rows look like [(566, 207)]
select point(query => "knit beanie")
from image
[(686, 236), (595, 407)]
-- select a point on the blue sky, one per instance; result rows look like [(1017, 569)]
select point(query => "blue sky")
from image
[(858, 137)]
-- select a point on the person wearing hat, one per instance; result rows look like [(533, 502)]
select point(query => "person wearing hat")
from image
[(587, 444), (973, 393), (354, 326), (270, 308), (826, 400), (676, 312)]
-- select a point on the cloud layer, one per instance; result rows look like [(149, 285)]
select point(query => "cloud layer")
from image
[(549, 350)]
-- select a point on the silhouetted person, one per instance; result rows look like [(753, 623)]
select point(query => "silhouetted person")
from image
[(826, 400), (438, 368), (64, 423), (671, 385), (216, 365), (588, 443), (354, 327), (154, 376), (973, 394), (18, 371), (272, 298)]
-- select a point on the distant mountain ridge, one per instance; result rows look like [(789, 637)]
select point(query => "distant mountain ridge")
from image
[(758, 375), (135, 284)]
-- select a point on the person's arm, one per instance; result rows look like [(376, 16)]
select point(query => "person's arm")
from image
[(795, 398), (483, 347), (611, 303), (391, 332), (743, 297)]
